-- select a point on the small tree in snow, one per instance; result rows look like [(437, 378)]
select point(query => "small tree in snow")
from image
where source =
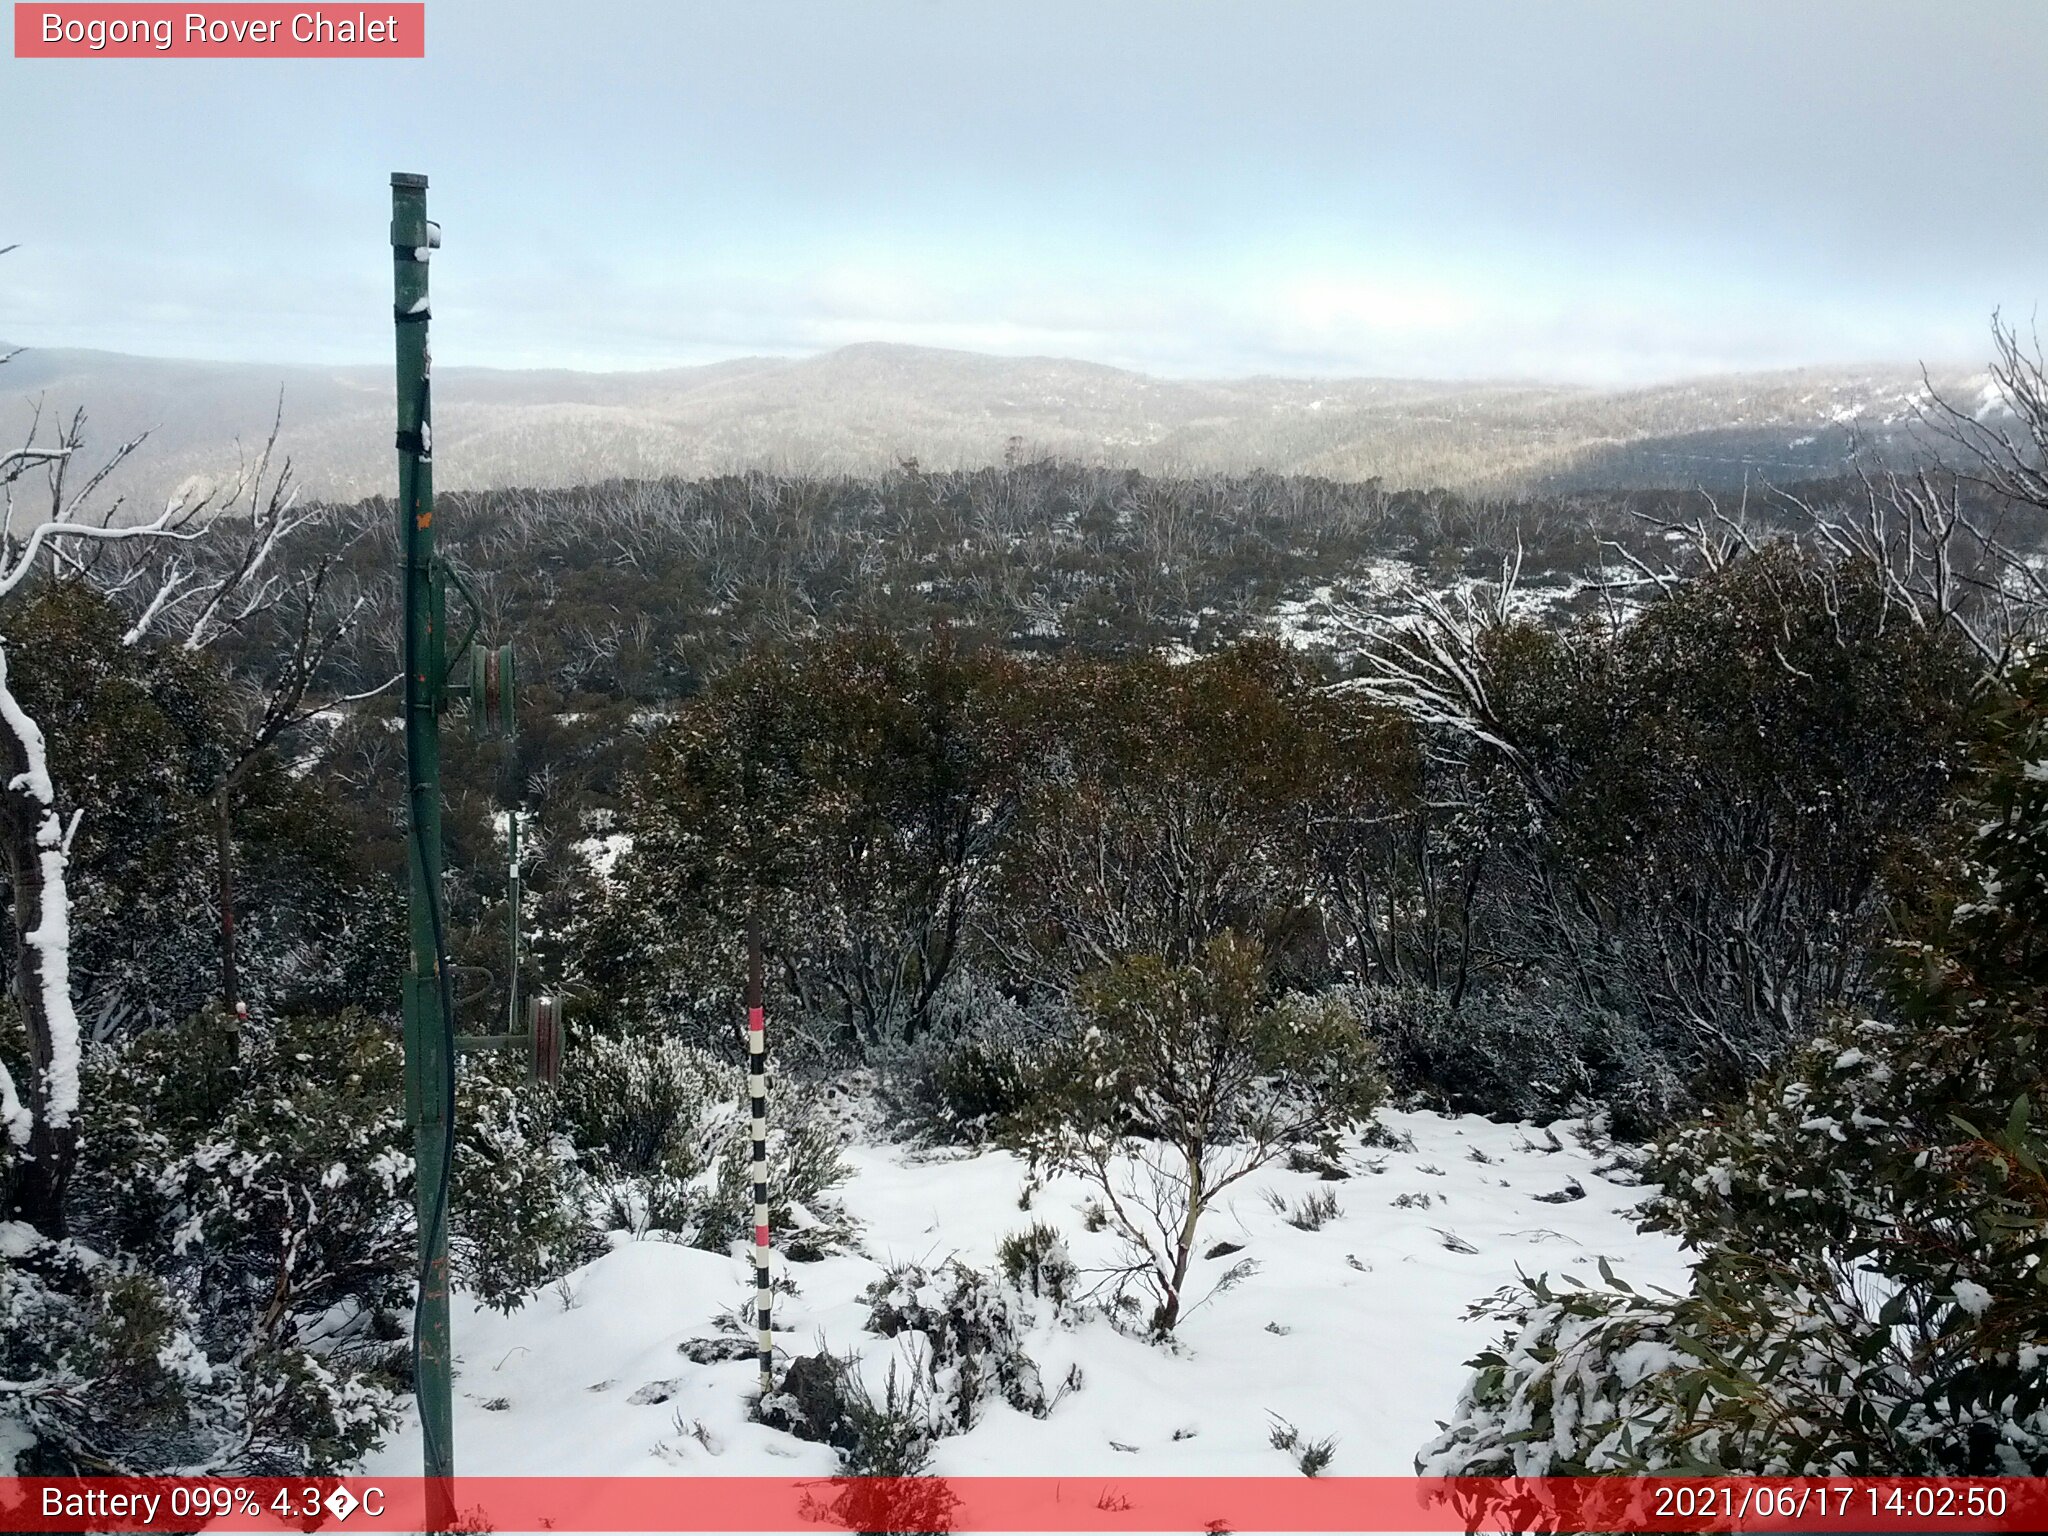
[(1185, 1081)]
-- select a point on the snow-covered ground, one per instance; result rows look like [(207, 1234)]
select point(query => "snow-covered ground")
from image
[(1356, 1330)]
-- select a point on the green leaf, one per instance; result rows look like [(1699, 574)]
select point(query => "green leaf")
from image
[(2016, 1122)]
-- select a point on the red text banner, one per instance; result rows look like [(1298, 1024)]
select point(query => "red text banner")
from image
[(1051, 1504), (260, 31)]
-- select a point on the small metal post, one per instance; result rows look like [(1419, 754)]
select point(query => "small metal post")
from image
[(544, 1033), (512, 894)]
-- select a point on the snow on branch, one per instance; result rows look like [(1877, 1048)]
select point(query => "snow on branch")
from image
[(1431, 664), (50, 938)]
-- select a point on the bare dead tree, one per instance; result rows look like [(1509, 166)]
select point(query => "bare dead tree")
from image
[(1959, 545), (1431, 665), (2011, 462), (278, 620), (1940, 565)]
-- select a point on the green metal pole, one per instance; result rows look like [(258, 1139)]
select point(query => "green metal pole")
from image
[(429, 1006)]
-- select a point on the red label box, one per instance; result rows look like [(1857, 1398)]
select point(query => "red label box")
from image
[(371, 30)]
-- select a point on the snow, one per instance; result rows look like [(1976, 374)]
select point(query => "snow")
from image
[(1355, 1330), (15, 1437), (51, 940), (603, 853), (51, 936), (35, 776), (1972, 1297), (14, 1115)]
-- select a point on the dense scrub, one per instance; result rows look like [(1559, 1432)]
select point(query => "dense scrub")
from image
[(1658, 860), (1040, 824), (1871, 1219)]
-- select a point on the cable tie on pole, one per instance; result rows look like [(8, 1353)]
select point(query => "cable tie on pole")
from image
[(411, 317), (414, 443)]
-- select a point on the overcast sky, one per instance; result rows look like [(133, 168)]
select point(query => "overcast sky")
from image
[(1604, 192)]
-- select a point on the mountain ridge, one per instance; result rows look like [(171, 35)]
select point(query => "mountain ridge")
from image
[(867, 406)]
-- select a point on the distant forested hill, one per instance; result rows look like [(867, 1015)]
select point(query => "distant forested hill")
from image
[(864, 409)]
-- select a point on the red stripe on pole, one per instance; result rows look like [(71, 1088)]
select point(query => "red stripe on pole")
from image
[(756, 1019), (1051, 1504), (760, 1237)]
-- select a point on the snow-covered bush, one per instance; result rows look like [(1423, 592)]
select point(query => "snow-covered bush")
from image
[(241, 1218), (1186, 1080), (970, 1069), (1496, 1056), (662, 1132), (968, 1334), (1036, 1263), (1531, 1053), (1873, 1220), (804, 1167), (89, 1352), (520, 1218), (642, 1104), (884, 1442)]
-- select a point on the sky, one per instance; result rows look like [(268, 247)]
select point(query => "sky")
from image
[(1598, 192)]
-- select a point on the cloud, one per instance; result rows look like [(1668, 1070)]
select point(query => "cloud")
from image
[(1586, 189)]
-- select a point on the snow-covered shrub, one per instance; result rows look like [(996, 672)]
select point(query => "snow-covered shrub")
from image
[(884, 1443), (1527, 1054), (968, 1071), (106, 1370), (661, 1128), (969, 1334), (804, 1167), (243, 1214), (1186, 1080), (642, 1103), (248, 1215), (1872, 1219), (649, 1205), (520, 1220), (959, 1345), (1310, 1456), (1036, 1263), (88, 1356)]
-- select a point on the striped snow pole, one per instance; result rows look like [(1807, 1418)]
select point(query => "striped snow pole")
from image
[(757, 1095)]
